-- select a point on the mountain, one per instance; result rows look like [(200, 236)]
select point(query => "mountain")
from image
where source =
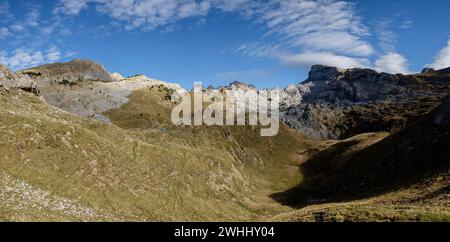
[(338, 103), (71, 71)]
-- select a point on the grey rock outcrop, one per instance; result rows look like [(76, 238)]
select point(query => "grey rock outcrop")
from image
[(336, 103), (10, 79)]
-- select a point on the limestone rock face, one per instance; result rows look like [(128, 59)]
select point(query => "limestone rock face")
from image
[(93, 98), (10, 79), (335, 103)]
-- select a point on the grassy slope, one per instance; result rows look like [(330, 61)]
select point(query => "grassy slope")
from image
[(57, 166), (139, 173)]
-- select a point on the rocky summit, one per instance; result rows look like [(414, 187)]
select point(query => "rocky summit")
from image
[(71, 71)]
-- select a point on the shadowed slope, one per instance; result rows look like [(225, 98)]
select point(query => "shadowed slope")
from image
[(358, 168)]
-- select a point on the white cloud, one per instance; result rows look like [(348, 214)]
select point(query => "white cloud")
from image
[(442, 59), (326, 32), (70, 7), (150, 14), (232, 5), (4, 32), (322, 25), (307, 59), (23, 58), (317, 25), (392, 63)]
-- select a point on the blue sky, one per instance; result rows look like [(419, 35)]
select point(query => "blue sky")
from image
[(267, 43)]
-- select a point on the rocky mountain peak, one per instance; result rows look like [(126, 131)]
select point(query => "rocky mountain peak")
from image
[(428, 70), (71, 71), (241, 85), (323, 73)]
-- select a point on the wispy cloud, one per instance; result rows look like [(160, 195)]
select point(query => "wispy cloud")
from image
[(313, 24), (305, 59), (23, 58), (406, 24), (30, 39), (33, 14), (392, 63), (144, 14), (387, 39), (311, 32), (305, 24), (53, 54), (298, 33), (70, 7)]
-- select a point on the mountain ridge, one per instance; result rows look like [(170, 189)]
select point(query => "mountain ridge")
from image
[(135, 165), (356, 100)]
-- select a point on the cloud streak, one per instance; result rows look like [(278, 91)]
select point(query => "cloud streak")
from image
[(306, 59)]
